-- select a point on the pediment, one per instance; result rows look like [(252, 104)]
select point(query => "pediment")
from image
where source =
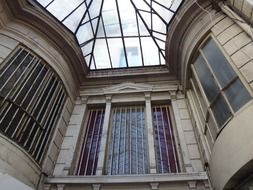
[(127, 87)]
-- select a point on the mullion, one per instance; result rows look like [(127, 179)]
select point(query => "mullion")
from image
[(165, 6), (106, 40), (40, 135), (10, 76), (93, 45), (24, 98), (49, 4), (165, 140), (36, 100), (142, 141), (119, 140), (145, 24), (158, 139), (72, 11), (84, 143), (113, 140), (83, 17), (139, 37), (91, 141), (172, 139), (121, 31), (98, 142), (136, 140), (46, 134), (90, 21), (153, 10)]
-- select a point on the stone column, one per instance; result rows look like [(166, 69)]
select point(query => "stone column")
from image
[(70, 140), (151, 145), (102, 151), (181, 136)]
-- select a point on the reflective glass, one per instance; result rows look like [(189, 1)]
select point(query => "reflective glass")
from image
[(117, 19), (221, 67), (206, 79), (117, 52), (221, 111), (133, 52), (237, 100), (101, 56), (150, 52)]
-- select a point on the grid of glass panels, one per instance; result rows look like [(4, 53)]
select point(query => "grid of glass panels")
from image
[(87, 164), (225, 94), (127, 153), (166, 156), (114, 33), (31, 99)]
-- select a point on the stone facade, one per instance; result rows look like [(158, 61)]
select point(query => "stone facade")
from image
[(225, 165)]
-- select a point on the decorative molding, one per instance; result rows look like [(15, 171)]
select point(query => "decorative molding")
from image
[(148, 178), (60, 186), (128, 87), (154, 186), (96, 186)]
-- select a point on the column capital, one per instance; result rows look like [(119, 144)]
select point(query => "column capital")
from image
[(96, 186), (192, 185), (173, 95), (154, 186), (81, 100), (60, 186), (147, 96), (108, 98)]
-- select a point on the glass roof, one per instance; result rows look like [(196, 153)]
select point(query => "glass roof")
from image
[(117, 33)]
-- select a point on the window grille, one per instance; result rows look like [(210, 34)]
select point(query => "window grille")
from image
[(90, 149), (127, 152), (166, 155), (31, 98)]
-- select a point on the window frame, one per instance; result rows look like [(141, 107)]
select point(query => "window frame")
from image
[(198, 84)]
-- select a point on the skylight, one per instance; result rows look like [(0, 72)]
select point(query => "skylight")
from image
[(117, 33)]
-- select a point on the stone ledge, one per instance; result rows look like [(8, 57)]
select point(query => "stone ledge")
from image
[(179, 177)]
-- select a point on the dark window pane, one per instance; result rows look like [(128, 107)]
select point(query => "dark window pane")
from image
[(221, 67), (166, 156), (90, 148), (237, 95), (206, 79), (221, 111)]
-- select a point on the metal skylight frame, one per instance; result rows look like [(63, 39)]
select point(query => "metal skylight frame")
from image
[(88, 21)]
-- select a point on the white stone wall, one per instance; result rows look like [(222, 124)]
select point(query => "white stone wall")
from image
[(237, 46)]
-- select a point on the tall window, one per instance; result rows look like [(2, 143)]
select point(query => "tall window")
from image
[(31, 99), (90, 149), (166, 156), (127, 152), (225, 94)]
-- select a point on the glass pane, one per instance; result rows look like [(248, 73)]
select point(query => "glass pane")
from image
[(73, 20), (150, 51), (206, 79), (237, 100), (110, 17), (61, 8), (127, 151), (175, 4), (84, 33), (95, 8), (101, 54), (128, 18), (221, 67), (221, 111), (117, 53), (133, 52)]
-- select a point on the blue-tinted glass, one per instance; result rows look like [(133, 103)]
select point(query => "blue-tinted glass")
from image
[(221, 67), (221, 111), (237, 95), (206, 79)]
